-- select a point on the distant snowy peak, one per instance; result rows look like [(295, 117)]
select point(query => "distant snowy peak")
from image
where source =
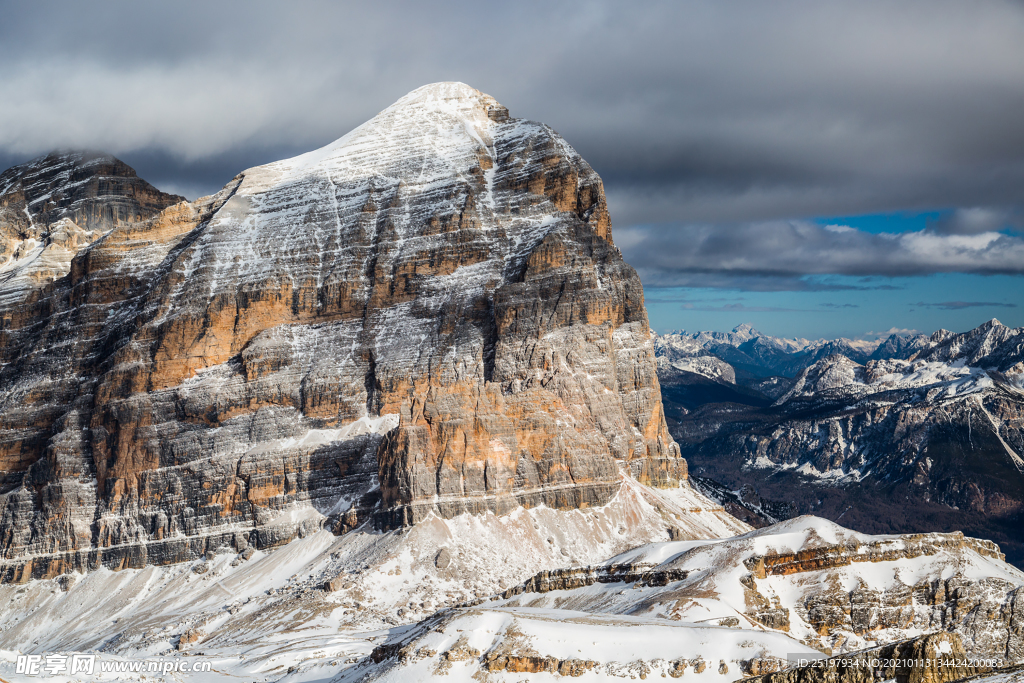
[(991, 345), (899, 346), (747, 334), (831, 373), (838, 377)]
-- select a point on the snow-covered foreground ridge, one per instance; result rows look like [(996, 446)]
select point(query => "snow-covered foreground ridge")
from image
[(496, 598), (721, 610), (325, 601)]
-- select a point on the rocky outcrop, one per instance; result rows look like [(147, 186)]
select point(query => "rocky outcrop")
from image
[(577, 577), (53, 206), (908, 546), (983, 611), (427, 316), (819, 584), (573, 667)]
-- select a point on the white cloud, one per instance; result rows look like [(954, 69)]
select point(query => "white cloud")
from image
[(904, 331)]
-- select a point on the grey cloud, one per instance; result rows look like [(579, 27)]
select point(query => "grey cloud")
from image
[(692, 112), (978, 219), (753, 255), (957, 305)]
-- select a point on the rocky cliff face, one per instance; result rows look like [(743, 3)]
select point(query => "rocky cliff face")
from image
[(53, 206), (426, 316)]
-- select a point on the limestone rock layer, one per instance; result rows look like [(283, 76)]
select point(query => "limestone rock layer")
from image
[(426, 316)]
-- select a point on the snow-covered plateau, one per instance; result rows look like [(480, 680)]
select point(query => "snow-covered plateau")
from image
[(537, 595)]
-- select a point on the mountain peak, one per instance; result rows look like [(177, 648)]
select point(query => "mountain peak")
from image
[(451, 98), (391, 277), (444, 92), (56, 204), (440, 128)]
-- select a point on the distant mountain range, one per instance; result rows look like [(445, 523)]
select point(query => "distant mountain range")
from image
[(756, 355), (912, 433)]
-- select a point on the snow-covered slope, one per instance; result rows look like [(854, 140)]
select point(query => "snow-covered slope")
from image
[(720, 610), (323, 600), (706, 366), (533, 596)]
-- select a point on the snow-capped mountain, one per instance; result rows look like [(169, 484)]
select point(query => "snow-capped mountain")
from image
[(390, 410), (427, 316)]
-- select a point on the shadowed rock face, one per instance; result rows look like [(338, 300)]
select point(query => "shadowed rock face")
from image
[(428, 315), (94, 190), (53, 206)]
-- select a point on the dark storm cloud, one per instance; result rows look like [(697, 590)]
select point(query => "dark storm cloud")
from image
[(756, 255), (957, 305), (698, 112)]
